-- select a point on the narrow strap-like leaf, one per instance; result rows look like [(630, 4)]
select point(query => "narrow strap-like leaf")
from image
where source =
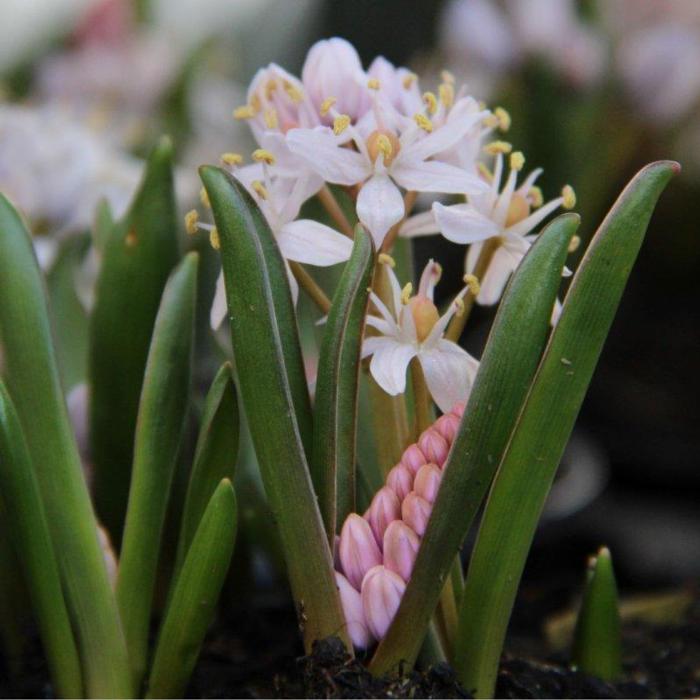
[(32, 377), (161, 421), (139, 252), (507, 366), (20, 495), (272, 385), (335, 408), (537, 444), (215, 455), (196, 591)]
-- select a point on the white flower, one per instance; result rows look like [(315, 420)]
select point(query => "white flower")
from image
[(303, 240), (502, 214), (414, 328), (385, 160)]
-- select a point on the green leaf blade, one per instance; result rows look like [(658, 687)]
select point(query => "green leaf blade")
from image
[(337, 385), (507, 366), (161, 421), (537, 444), (274, 394), (196, 592)]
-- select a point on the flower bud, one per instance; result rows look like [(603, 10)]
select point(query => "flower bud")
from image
[(384, 509), (400, 549), (400, 480), (433, 446), (413, 458), (358, 549), (427, 482), (415, 512), (351, 602), (381, 595), (447, 426)]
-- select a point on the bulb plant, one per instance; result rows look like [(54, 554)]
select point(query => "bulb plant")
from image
[(374, 483)]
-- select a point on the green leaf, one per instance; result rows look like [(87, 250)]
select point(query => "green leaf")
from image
[(598, 639), (273, 391), (22, 502), (196, 591), (335, 409), (215, 454), (161, 422), (139, 253), (31, 374), (540, 436), (507, 366)]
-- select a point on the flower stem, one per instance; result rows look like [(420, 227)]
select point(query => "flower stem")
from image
[(308, 284), (330, 203), (422, 405), (454, 330), (409, 201)]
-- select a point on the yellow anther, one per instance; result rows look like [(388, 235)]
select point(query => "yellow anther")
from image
[(408, 80), (270, 118), (384, 145), (214, 238), (406, 293), (517, 161), (383, 142), (423, 122), (231, 158), (447, 94), (262, 155), (503, 118), (536, 197), (385, 259), (459, 303), (255, 103), (373, 84), (430, 102), (204, 198), (270, 87), (294, 92), (259, 189), (244, 112), (340, 123), (490, 121), (484, 171), (574, 243), (447, 77), (192, 222), (569, 197), (472, 281), (326, 105), (496, 147)]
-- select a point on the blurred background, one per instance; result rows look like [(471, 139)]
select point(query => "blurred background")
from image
[(595, 90)]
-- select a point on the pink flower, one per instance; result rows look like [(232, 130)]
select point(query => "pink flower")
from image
[(400, 549), (381, 595), (385, 508), (351, 602), (358, 549)]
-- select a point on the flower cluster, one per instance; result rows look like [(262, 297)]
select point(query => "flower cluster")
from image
[(376, 552)]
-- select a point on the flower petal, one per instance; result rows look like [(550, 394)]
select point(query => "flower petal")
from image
[(449, 373), (389, 362), (494, 281), (311, 242), (463, 223), (422, 224), (433, 176), (379, 206)]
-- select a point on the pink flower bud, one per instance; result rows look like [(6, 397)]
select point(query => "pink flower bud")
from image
[(458, 409), (400, 480), (415, 512), (433, 446), (447, 426), (358, 549), (413, 458), (385, 508), (400, 549), (354, 613), (427, 482), (381, 595)]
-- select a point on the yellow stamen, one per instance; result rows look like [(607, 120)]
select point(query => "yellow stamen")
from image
[(472, 281), (340, 123), (447, 77), (259, 189), (569, 197), (231, 158), (385, 259), (383, 142), (262, 155), (255, 103), (244, 112), (406, 293), (423, 122), (517, 161), (496, 147), (270, 118), (270, 87), (191, 222), (204, 198), (214, 239), (409, 79), (430, 102), (503, 117), (574, 243), (536, 197), (490, 121), (326, 105), (447, 94), (295, 94), (373, 84)]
